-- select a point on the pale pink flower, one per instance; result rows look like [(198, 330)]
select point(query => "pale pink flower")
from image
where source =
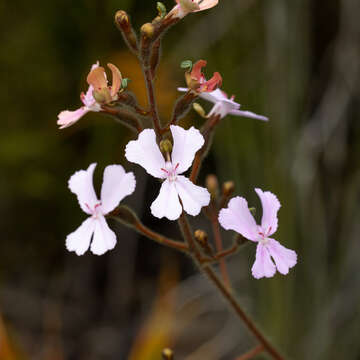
[(185, 7), (117, 184), (145, 152), (67, 118), (225, 106), (238, 217)]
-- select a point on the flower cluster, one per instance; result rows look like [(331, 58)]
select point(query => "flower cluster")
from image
[(167, 153)]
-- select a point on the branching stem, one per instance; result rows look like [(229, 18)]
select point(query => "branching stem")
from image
[(224, 290)]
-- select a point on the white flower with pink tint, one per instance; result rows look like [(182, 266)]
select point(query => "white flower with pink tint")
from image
[(225, 106), (117, 184), (145, 152), (185, 7), (270, 254), (67, 118)]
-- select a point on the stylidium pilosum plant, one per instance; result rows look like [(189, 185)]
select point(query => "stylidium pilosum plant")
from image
[(174, 155)]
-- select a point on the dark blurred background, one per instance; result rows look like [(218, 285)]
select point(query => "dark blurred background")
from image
[(295, 61)]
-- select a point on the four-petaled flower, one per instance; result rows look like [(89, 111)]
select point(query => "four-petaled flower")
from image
[(67, 118), (238, 217), (185, 7), (225, 106), (196, 80), (145, 152), (116, 185)]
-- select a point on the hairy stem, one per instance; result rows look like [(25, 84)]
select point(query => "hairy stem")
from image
[(224, 290)]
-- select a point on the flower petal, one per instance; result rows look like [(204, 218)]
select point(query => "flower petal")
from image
[(211, 84), (213, 96), (248, 114), (186, 144), (207, 4), (196, 72), (116, 79), (145, 152), (79, 240), (270, 205), (263, 265), (97, 78), (193, 197), (238, 217), (104, 238), (167, 203), (67, 118), (81, 184), (116, 185), (284, 258)]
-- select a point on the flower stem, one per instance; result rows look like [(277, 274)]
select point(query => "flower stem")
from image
[(251, 353), (224, 290)]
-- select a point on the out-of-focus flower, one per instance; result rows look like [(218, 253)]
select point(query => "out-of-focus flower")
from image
[(225, 106), (67, 118), (185, 7), (238, 217), (197, 82), (117, 184), (145, 152), (97, 94)]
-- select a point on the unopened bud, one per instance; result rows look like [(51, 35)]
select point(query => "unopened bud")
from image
[(228, 188), (167, 354), (201, 237), (199, 109), (187, 65), (166, 146), (212, 185), (125, 82), (148, 30), (161, 9), (122, 18)]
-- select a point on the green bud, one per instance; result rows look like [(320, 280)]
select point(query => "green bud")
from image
[(166, 146), (199, 109), (125, 82), (161, 9), (187, 65)]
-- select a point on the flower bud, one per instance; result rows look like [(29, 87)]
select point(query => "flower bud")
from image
[(122, 22), (122, 18), (148, 30), (166, 146), (201, 237), (167, 354), (199, 109), (212, 185), (161, 9), (228, 188)]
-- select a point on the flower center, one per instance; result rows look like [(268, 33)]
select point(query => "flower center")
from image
[(96, 210), (264, 235), (170, 170)]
